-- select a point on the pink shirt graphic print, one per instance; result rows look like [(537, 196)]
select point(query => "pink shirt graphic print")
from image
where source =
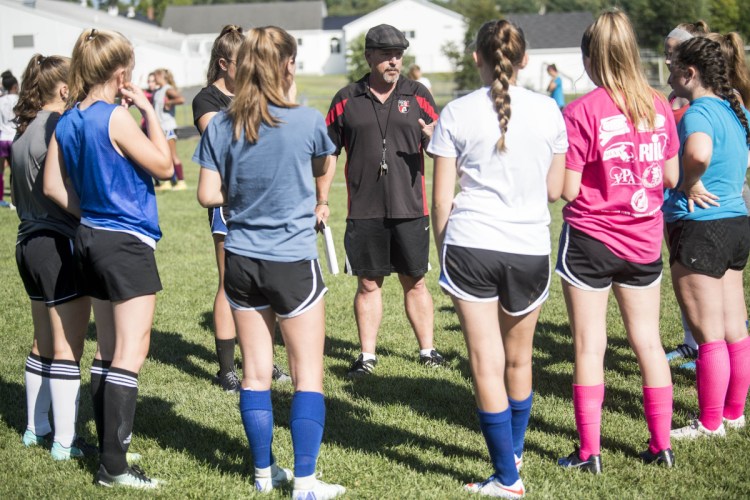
[(621, 167)]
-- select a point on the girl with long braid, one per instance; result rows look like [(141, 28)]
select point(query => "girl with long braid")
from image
[(709, 237), (507, 146), (623, 150), (263, 145)]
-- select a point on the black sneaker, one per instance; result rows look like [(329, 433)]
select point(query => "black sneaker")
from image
[(664, 457), (593, 464), (361, 367), (133, 477), (229, 382), (280, 375), (682, 351), (433, 359)]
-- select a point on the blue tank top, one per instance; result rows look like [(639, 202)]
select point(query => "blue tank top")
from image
[(116, 194)]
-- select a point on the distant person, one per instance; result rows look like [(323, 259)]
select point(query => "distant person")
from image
[(260, 157), (493, 236), (555, 87), (384, 122), (415, 73), (622, 153), (100, 165), (709, 237), (165, 98), (8, 101), (217, 95)]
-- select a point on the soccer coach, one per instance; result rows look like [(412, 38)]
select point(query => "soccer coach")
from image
[(384, 122)]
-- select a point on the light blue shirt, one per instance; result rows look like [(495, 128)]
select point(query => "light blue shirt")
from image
[(558, 94), (269, 185), (725, 174)]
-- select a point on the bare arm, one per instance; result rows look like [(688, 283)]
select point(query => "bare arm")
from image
[(443, 189), (671, 172), (56, 184), (152, 152), (556, 177), (204, 120), (210, 190), (696, 157), (173, 98), (322, 187), (572, 185)]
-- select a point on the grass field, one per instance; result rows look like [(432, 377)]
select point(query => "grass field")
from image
[(406, 432)]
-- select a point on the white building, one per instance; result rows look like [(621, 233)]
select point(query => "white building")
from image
[(52, 27)]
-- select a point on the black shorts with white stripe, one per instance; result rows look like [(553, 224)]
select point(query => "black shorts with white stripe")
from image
[(288, 288), (588, 264), (47, 268)]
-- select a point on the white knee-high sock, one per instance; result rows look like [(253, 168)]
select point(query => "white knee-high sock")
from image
[(37, 394), (65, 387)]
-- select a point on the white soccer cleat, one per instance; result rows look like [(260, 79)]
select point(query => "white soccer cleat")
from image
[(696, 430), (493, 488)]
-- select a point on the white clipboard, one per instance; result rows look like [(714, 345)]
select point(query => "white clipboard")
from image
[(333, 263)]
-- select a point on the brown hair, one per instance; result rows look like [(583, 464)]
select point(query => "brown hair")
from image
[(39, 84), (502, 44), (615, 63), (167, 75), (97, 54), (733, 49), (261, 67), (706, 56), (225, 46)]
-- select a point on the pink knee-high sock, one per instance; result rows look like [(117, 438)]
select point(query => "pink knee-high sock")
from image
[(587, 403), (739, 379), (712, 373), (657, 405)]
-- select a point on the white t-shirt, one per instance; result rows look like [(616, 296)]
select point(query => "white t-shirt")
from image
[(502, 204), (7, 126), (166, 117)]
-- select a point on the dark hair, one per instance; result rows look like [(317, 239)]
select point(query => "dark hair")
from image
[(38, 86), (706, 56), (9, 81), (502, 44), (733, 48), (552, 67), (225, 46)]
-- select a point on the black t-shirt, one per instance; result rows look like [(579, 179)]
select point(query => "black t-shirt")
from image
[(352, 125), (209, 100)]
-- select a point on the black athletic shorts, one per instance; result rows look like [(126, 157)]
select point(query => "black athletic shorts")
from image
[(113, 265), (217, 219), (289, 288), (48, 271), (378, 247), (588, 264), (710, 247), (519, 282)]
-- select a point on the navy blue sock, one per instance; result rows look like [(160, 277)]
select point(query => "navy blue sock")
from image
[(307, 419), (257, 418), (519, 421), (498, 434)]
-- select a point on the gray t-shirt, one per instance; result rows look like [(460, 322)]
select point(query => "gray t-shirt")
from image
[(36, 211)]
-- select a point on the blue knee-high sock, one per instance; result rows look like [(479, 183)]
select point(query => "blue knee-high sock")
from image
[(307, 419), (519, 421), (257, 418), (498, 434)]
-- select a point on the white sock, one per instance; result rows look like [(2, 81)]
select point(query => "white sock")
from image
[(689, 340), (366, 356), (37, 395), (263, 472), (65, 387), (305, 483), (426, 352)]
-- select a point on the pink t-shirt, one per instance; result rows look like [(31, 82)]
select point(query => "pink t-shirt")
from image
[(622, 172)]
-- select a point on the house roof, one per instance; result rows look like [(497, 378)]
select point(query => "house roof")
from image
[(338, 22), (554, 30), (199, 19)]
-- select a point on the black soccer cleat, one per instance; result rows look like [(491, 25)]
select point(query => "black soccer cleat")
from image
[(361, 367), (593, 464), (664, 457), (229, 382), (433, 359)]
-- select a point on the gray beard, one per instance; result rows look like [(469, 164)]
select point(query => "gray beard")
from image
[(390, 78)]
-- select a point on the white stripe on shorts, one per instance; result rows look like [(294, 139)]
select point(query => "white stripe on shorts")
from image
[(566, 274), (308, 303)]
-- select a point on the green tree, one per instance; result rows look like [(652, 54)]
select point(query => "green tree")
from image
[(725, 15), (356, 64)]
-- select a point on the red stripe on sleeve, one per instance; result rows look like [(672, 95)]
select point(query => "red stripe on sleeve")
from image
[(427, 107), (335, 112)]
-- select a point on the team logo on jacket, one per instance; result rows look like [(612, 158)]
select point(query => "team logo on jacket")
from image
[(403, 105)]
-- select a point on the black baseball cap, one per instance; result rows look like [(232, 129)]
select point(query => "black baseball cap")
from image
[(385, 36)]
